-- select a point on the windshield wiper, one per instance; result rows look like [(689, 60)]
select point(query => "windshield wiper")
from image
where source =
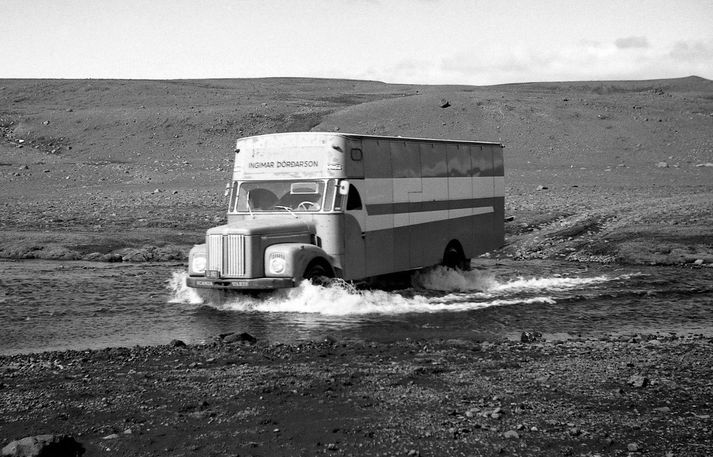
[(250, 210), (286, 208)]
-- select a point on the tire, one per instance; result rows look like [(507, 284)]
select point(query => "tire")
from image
[(454, 258), (318, 274)]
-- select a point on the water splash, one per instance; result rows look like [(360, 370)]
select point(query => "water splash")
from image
[(180, 292), (446, 279), (456, 291), (549, 284), (336, 300)]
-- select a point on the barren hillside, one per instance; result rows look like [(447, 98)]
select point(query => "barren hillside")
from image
[(135, 169)]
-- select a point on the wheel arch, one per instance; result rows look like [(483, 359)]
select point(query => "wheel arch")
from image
[(454, 255), (321, 262)]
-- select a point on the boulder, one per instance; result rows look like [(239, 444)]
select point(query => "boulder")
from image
[(177, 344), (244, 338), (530, 337), (44, 445)]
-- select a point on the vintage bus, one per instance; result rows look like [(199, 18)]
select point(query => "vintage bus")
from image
[(317, 205)]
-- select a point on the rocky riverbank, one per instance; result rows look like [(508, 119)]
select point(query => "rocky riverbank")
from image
[(629, 395)]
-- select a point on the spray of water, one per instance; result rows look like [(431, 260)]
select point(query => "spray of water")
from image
[(180, 292), (447, 280), (458, 291)]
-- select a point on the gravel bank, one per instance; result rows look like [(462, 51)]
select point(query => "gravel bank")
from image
[(632, 395)]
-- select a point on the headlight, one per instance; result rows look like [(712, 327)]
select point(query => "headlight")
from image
[(198, 264), (277, 263)]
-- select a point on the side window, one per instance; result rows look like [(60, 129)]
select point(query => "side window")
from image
[(353, 200), (459, 163), (405, 160), (433, 161)]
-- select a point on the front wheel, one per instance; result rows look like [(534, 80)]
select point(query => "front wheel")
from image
[(318, 274)]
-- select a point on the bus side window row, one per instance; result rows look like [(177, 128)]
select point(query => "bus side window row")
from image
[(426, 160)]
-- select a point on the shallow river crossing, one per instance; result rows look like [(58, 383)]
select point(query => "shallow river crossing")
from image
[(50, 305)]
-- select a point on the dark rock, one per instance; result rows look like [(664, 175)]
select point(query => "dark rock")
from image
[(444, 103), (177, 344), (112, 257), (530, 337), (44, 445), (239, 338)]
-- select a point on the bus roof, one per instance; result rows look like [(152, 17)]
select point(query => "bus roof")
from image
[(379, 137)]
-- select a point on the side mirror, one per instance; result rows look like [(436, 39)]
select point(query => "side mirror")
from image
[(227, 190), (344, 187)]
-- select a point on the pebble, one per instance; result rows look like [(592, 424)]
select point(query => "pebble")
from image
[(511, 434)]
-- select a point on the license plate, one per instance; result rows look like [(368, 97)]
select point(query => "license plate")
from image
[(239, 283), (212, 274)]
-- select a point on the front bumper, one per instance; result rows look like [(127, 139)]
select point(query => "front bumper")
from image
[(239, 284)]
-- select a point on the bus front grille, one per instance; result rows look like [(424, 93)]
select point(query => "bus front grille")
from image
[(226, 254)]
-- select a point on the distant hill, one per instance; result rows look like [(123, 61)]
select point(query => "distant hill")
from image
[(164, 123)]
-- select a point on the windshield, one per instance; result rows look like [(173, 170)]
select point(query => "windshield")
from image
[(292, 196)]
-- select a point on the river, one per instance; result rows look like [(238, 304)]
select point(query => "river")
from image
[(55, 305)]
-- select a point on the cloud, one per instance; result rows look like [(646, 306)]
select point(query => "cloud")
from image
[(632, 42), (696, 51), (578, 61)]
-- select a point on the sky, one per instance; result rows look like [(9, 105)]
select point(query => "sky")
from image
[(473, 42)]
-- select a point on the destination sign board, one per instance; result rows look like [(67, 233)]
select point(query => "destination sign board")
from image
[(306, 162)]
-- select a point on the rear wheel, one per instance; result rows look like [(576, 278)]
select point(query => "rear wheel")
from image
[(454, 258)]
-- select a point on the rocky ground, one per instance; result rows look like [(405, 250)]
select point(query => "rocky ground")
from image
[(632, 395), (134, 170)]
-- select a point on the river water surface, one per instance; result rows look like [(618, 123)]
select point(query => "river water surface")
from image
[(52, 305)]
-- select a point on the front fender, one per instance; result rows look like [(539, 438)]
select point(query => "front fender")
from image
[(296, 257)]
